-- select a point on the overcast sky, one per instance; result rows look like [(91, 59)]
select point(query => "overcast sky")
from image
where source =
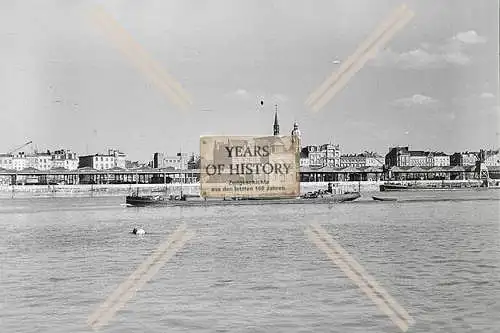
[(65, 84)]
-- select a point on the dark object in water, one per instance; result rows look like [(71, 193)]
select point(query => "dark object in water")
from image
[(138, 231), (315, 198), (393, 187), (384, 199)]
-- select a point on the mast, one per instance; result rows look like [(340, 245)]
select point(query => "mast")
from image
[(182, 175)]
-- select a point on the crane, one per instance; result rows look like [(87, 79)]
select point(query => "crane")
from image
[(20, 147)]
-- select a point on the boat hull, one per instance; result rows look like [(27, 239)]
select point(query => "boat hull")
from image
[(435, 187), (392, 187), (384, 199), (158, 201)]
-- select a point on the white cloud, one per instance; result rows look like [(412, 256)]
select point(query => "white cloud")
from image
[(487, 95), (420, 58), (456, 58), (416, 99), (416, 58), (241, 93), (428, 56), (469, 37)]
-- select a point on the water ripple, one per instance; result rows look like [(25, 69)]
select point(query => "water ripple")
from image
[(249, 269)]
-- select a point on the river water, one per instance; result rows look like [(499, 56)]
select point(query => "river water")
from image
[(251, 268)]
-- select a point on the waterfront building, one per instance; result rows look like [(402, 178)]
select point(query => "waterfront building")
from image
[(321, 155), (373, 159), (120, 158), (329, 174), (6, 161), (113, 159), (304, 157), (440, 159), (352, 160), (164, 161), (40, 161), (464, 159), (491, 158), (397, 156), (331, 154), (402, 157), (58, 159), (366, 159), (315, 156), (135, 164), (97, 162), (21, 161), (420, 158), (44, 161)]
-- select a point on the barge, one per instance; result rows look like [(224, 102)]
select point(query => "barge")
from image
[(393, 187), (133, 200), (384, 199), (442, 186), (317, 197)]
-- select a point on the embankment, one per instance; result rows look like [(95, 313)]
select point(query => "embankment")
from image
[(193, 189), (146, 189)]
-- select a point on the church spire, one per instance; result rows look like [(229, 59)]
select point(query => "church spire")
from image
[(276, 126)]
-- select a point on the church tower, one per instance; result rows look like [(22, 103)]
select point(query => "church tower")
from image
[(276, 126), (296, 131), (296, 136)]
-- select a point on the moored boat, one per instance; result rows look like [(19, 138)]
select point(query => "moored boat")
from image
[(317, 197), (435, 186), (384, 199), (133, 200), (393, 187)]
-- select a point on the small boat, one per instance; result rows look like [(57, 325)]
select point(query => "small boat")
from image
[(384, 199)]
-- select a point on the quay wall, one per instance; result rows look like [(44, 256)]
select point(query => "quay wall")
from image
[(9, 191)]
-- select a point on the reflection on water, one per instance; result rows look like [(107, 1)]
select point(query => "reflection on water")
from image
[(250, 268)]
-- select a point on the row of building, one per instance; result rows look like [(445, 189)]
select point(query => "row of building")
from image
[(62, 159), (113, 159), (404, 157), (329, 155), (312, 157)]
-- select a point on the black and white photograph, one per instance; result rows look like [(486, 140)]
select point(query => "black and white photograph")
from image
[(250, 166)]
